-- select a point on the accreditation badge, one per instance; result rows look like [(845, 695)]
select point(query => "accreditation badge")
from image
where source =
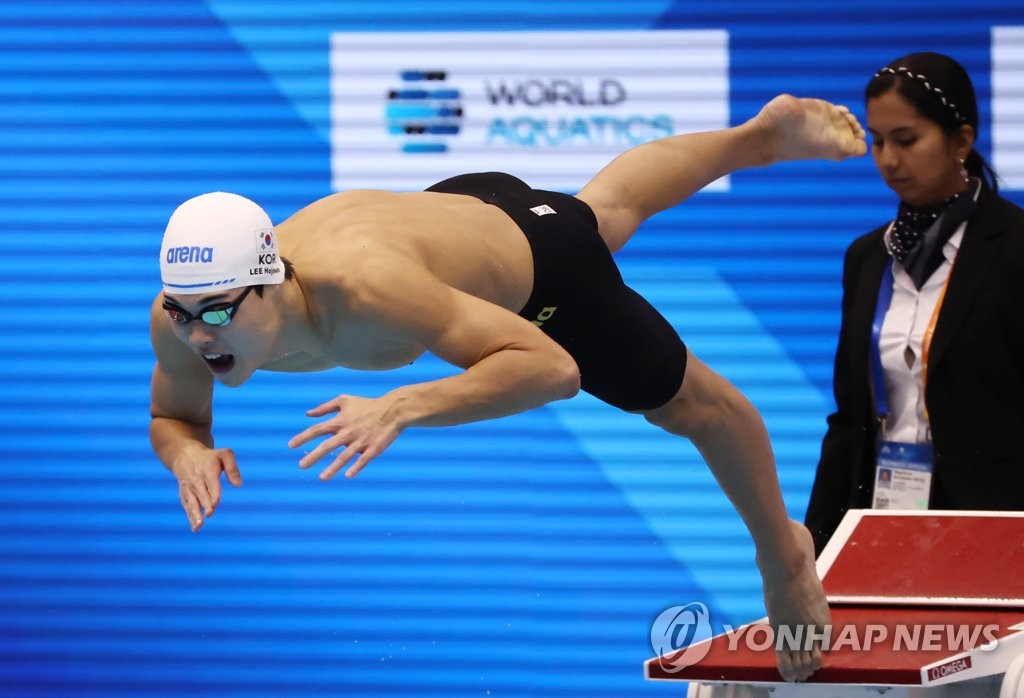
[(903, 476)]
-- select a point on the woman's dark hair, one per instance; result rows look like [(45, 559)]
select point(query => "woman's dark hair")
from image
[(942, 92), (289, 272)]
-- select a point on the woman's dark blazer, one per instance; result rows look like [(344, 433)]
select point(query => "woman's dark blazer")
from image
[(975, 383)]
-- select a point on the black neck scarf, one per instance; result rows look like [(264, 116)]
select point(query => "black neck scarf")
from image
[(918, 235)]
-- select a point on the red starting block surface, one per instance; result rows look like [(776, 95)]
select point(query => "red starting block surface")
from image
[(907, 559), (917, 599)]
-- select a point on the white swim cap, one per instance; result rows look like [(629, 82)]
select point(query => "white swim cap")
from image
[(219, 241)]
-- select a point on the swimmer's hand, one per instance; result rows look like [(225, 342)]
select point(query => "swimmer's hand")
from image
[(198, 471), (363, 426)]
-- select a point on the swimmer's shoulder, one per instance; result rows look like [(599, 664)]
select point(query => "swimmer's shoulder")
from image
[(349, 201), (344, 214)]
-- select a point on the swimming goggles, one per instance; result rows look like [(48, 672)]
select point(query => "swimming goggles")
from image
[(219, 314)]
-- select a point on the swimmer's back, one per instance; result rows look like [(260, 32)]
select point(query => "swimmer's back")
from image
[(465, 242)]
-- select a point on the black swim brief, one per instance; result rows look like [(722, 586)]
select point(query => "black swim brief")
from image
[(628, 354)]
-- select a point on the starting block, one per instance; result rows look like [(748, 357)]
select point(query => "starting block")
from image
[(924, 604)]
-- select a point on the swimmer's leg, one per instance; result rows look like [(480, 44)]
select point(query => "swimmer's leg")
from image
[(658, 175), (731, 436)]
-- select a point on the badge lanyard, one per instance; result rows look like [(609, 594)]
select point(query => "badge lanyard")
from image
[(881, 308)]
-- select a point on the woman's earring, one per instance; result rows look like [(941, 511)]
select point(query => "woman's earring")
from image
[(963, 171)]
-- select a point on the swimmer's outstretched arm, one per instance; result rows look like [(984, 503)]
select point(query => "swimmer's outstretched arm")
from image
[(659, 175), (180, 424), (509, 365)]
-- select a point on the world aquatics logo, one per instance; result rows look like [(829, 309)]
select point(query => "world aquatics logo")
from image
[(424, 113)]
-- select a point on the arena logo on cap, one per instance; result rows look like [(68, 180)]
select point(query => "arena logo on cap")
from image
[(189, 255)]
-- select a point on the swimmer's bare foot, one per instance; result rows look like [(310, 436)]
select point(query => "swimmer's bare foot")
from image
[(793, 596), (809, 129)]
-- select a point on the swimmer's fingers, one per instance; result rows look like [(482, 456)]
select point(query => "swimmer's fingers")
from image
[(208, 487), (338, 463), (199, 482), (329, 426), (332, 405), (313, 432), (230, 466), (365, 426), (361, 462), (325, 447), (190, 503), (366, 454)]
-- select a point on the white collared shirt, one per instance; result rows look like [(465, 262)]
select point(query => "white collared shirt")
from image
[(901, 346)]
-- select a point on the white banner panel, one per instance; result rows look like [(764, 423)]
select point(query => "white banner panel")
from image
[(409, 109), (1008, 105)]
